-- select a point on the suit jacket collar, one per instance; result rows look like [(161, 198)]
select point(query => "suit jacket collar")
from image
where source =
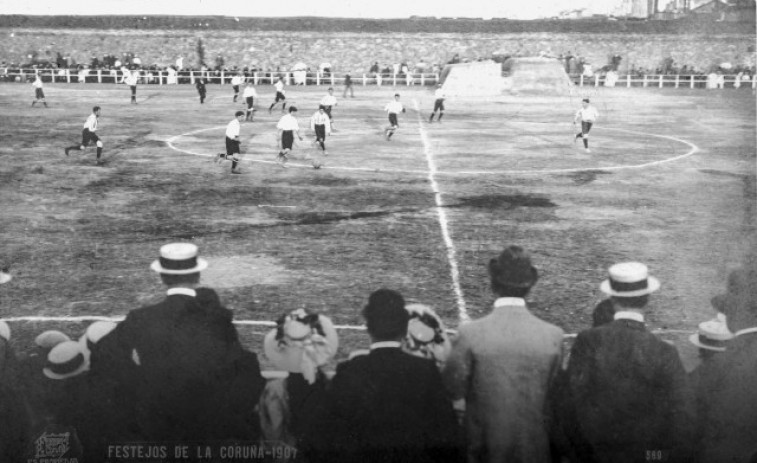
[(183, 291), (509, 306)]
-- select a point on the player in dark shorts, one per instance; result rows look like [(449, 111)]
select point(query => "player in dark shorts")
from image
[(393, 108), (287, 127), (39, 94), (279, 96), (438, 103), (233, 150), (88, 135)]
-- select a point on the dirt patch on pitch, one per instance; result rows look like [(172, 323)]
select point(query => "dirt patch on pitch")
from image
[(245, 270)]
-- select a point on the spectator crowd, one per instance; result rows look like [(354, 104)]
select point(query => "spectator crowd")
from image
[(499, 390)]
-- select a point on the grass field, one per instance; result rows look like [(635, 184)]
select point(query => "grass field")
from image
[(670, 182)]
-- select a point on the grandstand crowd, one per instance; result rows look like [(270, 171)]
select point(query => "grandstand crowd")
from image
[(174, 375)]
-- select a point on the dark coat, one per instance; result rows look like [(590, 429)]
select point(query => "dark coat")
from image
[(192, 380), (389, 406), (630, 395), (727, 399)]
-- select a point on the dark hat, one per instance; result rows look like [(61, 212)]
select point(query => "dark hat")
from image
[(385, 314), (513, 268), (585, 100)]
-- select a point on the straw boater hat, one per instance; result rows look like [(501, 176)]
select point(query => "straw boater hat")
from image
[(629, 279), (66, 360), (301, 342), (425, 334), (179, 259), (95, 332), (50, 338), (712, 334)]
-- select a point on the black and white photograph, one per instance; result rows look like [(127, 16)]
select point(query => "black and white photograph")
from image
[(341, 231)]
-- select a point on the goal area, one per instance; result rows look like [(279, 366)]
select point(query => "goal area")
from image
[(479, 78)]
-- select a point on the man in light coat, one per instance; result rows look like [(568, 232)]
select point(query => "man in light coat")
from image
[(504, 365)]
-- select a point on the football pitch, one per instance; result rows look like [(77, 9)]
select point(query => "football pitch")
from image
[(670, 181)]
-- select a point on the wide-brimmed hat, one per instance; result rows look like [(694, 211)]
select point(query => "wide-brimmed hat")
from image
[(629, 279), (50, 338), (179, 259), (66, 360), (301, 342), (712, 334), (426, 336), (513, 268)]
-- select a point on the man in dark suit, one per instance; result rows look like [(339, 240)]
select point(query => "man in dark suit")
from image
[(727, 395), (631, 402), (191, 378), (389, 406)]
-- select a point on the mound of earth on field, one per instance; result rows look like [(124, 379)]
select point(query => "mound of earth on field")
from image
[(535, 75)]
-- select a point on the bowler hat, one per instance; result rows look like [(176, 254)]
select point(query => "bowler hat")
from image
[(179, 259), (513, 268), (629, 279)]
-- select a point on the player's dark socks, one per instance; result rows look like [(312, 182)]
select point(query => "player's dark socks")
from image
[(99, 152), (586, 143), (389, 135), (233, 165), (44, 103), (270, 108), (284, 106), (440, 116), (431, 119), (33, 103), (323, 145)]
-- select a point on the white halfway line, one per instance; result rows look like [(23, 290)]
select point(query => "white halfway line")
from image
[(442, 214)]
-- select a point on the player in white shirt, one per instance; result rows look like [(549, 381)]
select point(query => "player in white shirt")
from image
[(438, 103), (321, 125), (394, 107), (287, 128), (236, 81), (131, 80), (279, 96), (39, 94), (587, 114), (249, 96), (232, 143), (88, 135), (327, 102)]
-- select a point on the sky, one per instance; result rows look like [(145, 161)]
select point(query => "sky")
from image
[(513, 9)]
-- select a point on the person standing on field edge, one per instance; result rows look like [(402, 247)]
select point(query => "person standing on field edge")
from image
[(131, 80), (88, 135), (200, 84), (348, 86), (38, 93), (587, 114)]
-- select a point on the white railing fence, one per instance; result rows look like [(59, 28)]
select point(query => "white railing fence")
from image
[(164, 77)]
